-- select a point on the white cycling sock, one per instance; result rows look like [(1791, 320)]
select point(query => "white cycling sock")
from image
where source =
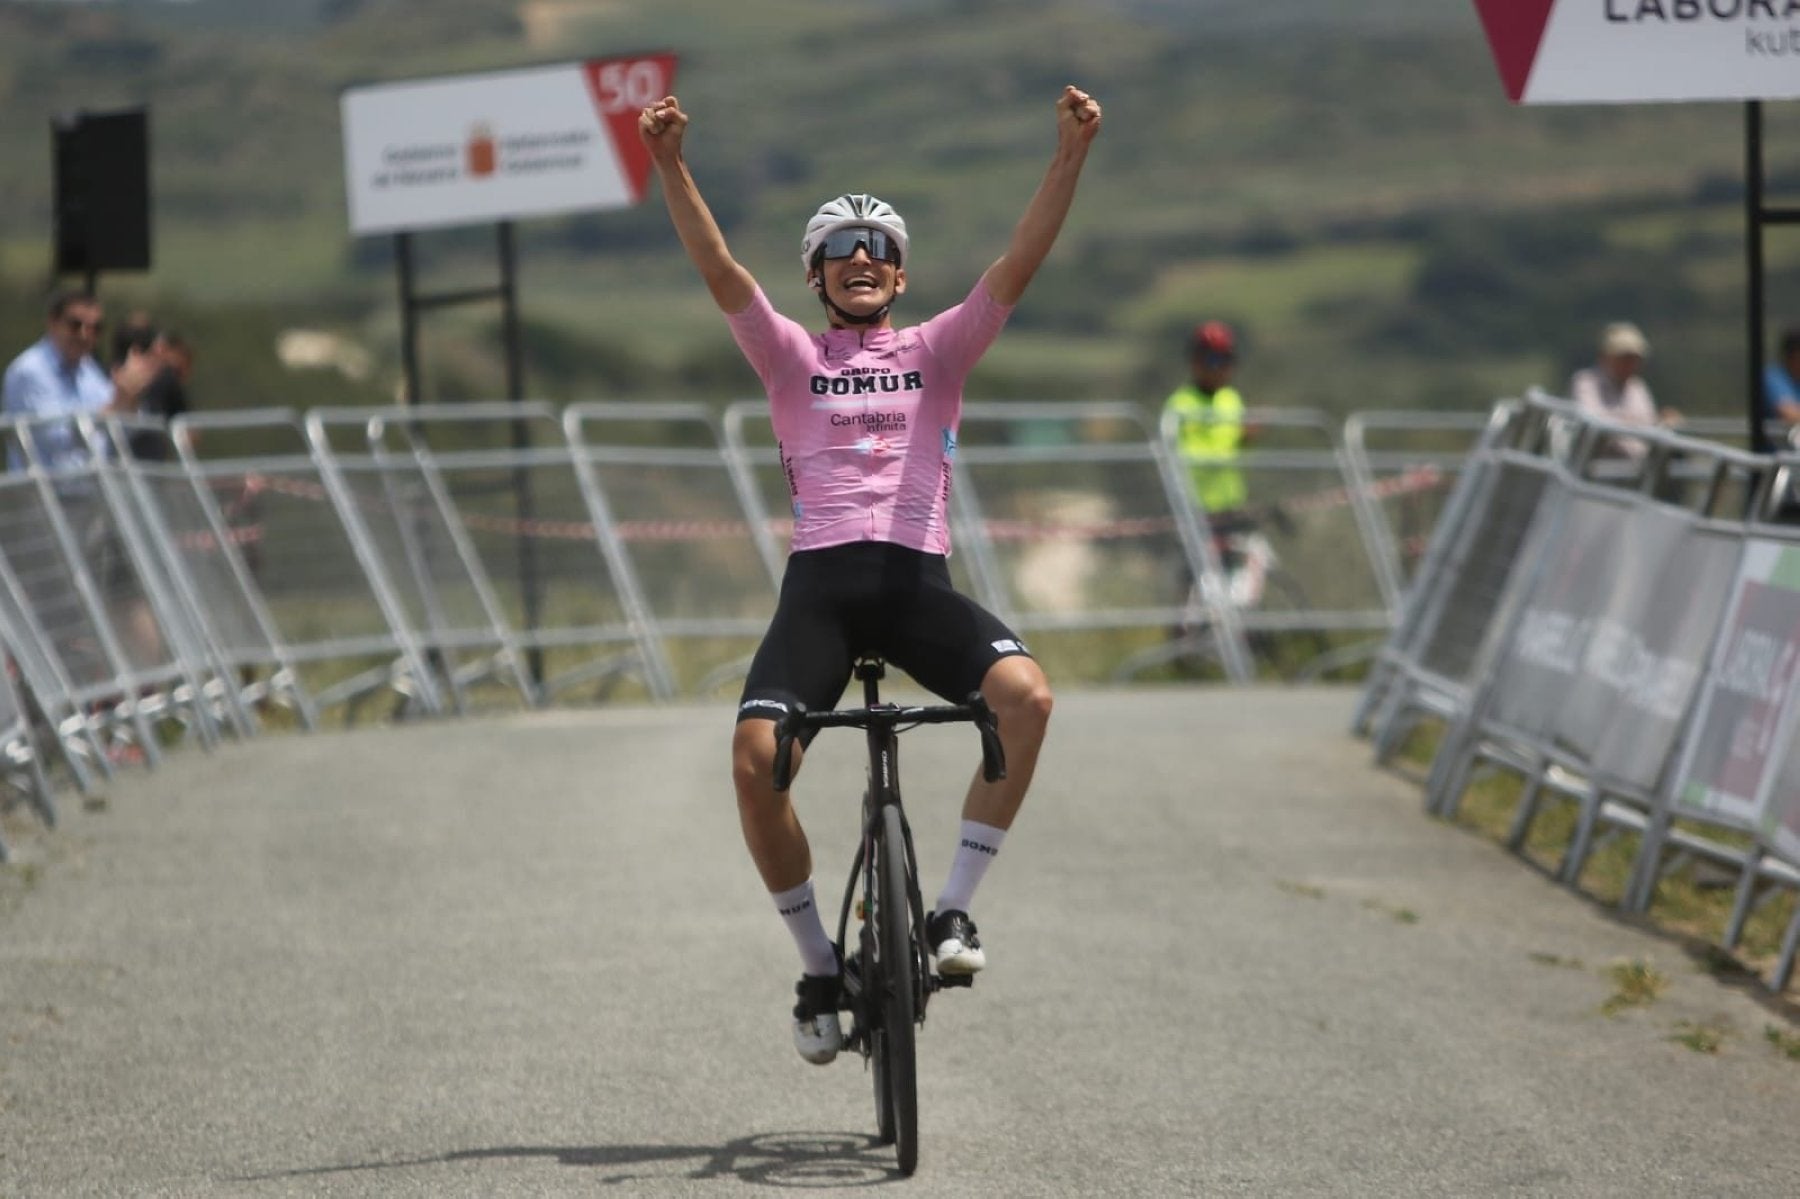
[(975, 849), (818, 956)]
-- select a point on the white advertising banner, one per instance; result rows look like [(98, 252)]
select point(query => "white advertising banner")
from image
[(1745, 713), (468, 149), (1626, 51)]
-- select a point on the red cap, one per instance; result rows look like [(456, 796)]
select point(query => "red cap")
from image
[(1214, 337)]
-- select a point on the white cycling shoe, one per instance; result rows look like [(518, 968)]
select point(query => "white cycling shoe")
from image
[(954, 943), (817, 1034)]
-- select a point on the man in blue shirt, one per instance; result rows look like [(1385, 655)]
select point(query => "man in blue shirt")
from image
[(58, 376), (1781, 382)]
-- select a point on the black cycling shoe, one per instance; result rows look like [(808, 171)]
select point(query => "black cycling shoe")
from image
[(954, 943)]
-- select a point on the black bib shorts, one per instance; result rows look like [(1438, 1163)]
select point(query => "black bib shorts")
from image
[(870, 598)]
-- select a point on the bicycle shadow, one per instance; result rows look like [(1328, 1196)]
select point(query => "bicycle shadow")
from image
[(781, 1159)]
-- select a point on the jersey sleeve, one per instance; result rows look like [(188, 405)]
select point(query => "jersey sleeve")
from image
[(24, 392), (959, 336), (767, 339)]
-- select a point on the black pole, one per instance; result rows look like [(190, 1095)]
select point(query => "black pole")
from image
[(409, 317), (521, 440), (1753, 241)]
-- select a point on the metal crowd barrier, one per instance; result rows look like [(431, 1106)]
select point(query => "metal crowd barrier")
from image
[(395, 499), (1613, 613), (306, 609), (192, 582), (203, 577), (1072, 514), (670, 503), (1304, 561), (21, 767), (107, 648), (1405, 464)]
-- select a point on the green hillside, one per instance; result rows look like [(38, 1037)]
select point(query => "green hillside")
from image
[(1347, 183)]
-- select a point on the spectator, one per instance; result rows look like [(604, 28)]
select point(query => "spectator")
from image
[(135, 332), (1613, 389), (1209, 416), (164, 397), (1781, 382), (58, 376), (1209, 430)]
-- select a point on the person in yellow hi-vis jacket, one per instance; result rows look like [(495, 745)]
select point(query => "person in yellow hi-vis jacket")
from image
[(1209, 415), (1209, 430)]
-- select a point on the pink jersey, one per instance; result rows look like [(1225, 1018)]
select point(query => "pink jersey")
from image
[(867, 421)]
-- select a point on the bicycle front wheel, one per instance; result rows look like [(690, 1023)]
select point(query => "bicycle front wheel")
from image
[(896, 1067)]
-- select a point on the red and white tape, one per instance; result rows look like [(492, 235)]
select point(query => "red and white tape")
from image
[(1413, 480)]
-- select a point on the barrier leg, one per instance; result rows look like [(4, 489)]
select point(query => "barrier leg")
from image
[(1371, 701), (1743, 901), (1450, 769), (1784, 966), (1646, 872), (1390, 729), (1526, 812), (1575, 859)]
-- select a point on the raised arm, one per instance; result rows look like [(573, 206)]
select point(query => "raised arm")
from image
[(661, 127), (1077, 123)]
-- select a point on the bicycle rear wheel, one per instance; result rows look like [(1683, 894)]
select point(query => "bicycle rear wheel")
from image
[(896, 1067)]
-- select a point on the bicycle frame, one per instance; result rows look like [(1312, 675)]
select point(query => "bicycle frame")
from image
[(882, 792)]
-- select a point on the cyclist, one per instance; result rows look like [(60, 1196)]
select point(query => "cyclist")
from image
[(866, 416)]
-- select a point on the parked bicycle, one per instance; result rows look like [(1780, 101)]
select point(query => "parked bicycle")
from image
[(887, 978)]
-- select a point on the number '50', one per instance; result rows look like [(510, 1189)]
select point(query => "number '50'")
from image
[(629, 85)]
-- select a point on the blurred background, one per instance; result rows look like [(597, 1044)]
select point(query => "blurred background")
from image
[(1345, 184)]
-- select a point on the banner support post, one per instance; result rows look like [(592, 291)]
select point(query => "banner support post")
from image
[(1753, 246), (521, 440)]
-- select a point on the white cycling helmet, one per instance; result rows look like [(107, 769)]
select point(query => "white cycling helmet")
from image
[(847, 212)]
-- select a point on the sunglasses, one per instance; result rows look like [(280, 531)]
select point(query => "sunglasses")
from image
[(842, 243), (77, 325)]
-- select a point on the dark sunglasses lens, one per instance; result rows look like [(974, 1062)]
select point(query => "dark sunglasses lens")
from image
[(843, 243)]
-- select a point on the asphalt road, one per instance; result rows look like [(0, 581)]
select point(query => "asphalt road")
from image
[(527, 956)]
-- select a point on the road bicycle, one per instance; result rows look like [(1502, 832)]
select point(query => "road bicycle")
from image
[(887, 976)]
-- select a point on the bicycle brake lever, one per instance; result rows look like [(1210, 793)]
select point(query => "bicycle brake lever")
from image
[(786, 729), (993, 755)]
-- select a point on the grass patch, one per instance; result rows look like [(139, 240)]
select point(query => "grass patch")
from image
[(1787, 1044), (1636, 983), (1703, 1036), (1398, 914), (1689, 900), (17, 880)]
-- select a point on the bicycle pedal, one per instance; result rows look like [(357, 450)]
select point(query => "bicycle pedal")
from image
[(955, 980)]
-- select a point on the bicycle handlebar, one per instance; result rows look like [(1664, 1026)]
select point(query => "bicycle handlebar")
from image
[(975, 711)]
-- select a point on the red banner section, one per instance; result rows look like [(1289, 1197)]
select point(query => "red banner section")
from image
[(1515, 28), (622, 88)]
